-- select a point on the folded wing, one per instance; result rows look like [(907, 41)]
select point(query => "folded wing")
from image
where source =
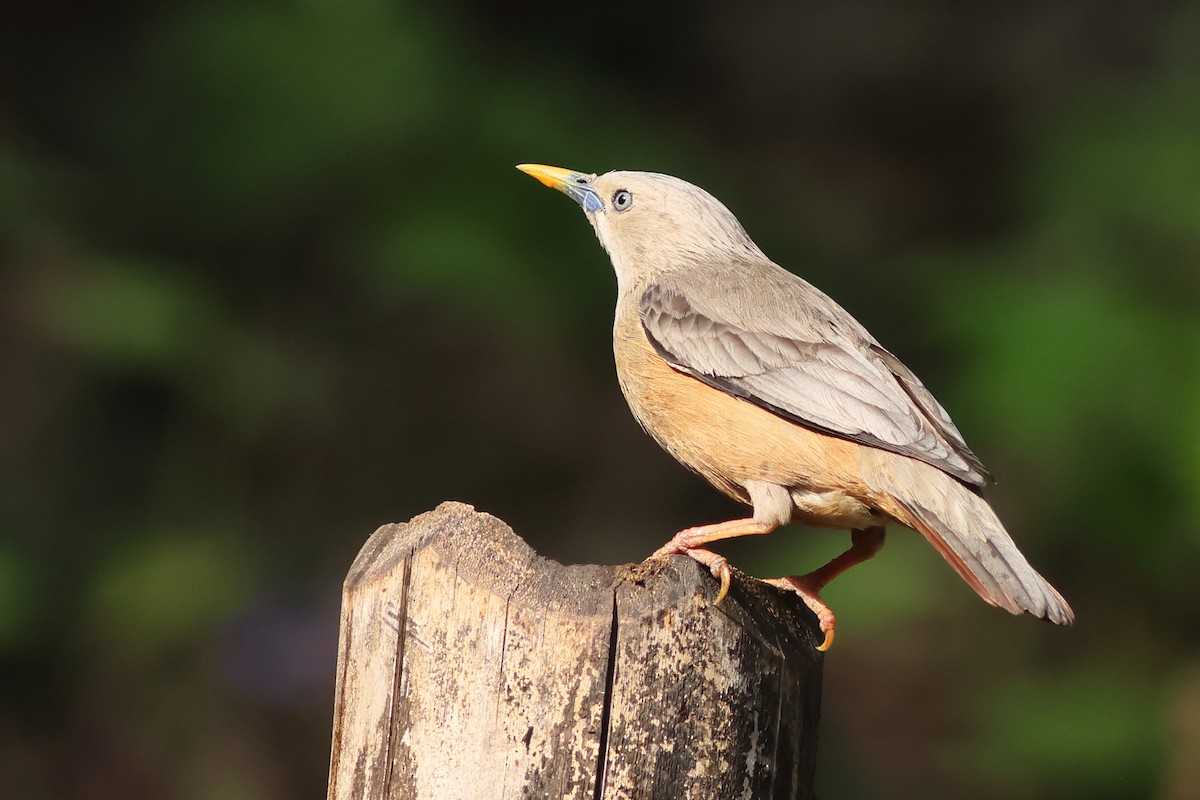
[(796, 353)]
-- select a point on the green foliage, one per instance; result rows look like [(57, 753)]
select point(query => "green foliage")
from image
[(18, 595), (245, 108), (131, 315), (1097, 734), (167, 591)]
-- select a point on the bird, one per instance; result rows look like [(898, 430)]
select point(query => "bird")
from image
[(762, 384)]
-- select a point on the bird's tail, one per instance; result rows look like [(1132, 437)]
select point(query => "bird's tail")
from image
[(968, 534)]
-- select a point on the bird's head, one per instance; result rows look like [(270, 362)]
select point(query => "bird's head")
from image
[(649, 222)]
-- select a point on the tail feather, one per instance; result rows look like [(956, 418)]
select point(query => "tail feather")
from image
[(969, 535)]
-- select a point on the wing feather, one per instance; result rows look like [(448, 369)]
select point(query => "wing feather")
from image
[(796, 353)]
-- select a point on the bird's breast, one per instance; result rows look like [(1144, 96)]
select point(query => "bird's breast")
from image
[(726, 439)]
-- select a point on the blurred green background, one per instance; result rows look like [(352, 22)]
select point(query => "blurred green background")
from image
[(268, 279)]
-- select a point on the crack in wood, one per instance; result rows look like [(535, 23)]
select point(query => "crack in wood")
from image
[(398, 676), (610, 678), (472, 668)]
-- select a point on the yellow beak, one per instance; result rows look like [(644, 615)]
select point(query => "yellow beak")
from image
[(554, 177), (576, 185)]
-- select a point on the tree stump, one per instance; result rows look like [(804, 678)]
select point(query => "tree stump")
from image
[(470, 667)]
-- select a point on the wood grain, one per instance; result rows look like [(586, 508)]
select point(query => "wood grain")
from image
[(470, 667)]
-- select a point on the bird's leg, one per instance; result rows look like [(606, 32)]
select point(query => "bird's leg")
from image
[(864, 544), (691, 541)]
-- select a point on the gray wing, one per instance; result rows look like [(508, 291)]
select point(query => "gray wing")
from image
[(793, 351)]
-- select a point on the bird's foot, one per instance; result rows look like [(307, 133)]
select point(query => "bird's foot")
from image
[(809, 591), (684, 542), (717, 564), (691, 541)]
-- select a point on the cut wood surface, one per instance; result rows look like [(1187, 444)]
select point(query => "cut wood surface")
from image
[(470, 667)]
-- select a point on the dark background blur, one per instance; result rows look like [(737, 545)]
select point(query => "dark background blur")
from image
[(268, 279)]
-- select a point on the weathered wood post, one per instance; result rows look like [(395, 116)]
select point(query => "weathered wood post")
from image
[(470, 667)]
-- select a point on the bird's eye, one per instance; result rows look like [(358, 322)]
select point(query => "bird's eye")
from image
[(622, 199)]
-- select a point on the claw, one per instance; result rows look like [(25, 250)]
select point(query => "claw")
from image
[(720, 570), (717, 564), (802, 585)]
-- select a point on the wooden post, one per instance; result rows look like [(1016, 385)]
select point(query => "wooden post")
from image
[(470, 667)]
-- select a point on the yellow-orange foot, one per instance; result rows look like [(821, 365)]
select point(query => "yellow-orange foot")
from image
[(808, 589)]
